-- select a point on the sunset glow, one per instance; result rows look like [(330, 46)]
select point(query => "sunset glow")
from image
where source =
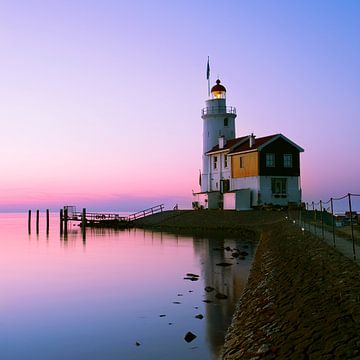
[(100, 101)]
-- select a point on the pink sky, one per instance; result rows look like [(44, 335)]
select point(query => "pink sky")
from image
[(100, 102)]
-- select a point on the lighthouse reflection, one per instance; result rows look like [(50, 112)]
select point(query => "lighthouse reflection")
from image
[(223, 273), (229, 280)]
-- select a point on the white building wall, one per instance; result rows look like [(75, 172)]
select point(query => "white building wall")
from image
[(220, 173), (214, 200), (238, 200), (249, 182), (229, 201), (293, 191), (243, 199)]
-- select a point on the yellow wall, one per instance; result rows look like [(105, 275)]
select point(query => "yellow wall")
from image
[(250, 165)]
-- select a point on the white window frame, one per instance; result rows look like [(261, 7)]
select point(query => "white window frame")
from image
[(279, 187), (215, 162), (288, 161), (270, 160)]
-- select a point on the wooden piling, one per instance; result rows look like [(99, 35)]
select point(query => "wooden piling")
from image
[(61, 222), (83, 219), (47, 221), (65, 221), (37, 221), (29, 222)]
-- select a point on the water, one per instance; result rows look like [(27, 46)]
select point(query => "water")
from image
[(95, 298)]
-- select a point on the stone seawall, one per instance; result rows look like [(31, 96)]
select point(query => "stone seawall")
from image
[(302, 301)]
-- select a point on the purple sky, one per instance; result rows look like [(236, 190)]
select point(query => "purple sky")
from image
[(100, 100)]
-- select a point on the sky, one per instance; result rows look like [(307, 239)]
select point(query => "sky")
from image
[(100, 101)]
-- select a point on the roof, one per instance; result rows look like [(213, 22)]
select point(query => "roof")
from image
[(218, 87), (242, 144), (245, 146), (228, 145)]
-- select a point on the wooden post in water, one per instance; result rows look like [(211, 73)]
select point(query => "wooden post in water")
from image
[(65, 221), (83, 219), (29, 222), (83, 225), (37, 221), (47, 221), (61, 222)]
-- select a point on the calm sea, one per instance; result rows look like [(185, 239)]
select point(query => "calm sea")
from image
[(114, 294)]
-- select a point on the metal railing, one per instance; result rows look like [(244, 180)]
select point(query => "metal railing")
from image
[(218, 110), (321, 219)]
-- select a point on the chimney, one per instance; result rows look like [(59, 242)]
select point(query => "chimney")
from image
[(221, 142), (251, 140)]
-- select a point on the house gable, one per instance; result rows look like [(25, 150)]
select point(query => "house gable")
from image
[(279, 147)]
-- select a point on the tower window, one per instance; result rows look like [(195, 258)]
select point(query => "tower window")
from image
[(288, 160), (270, 160), (226, 121), (215, 162)]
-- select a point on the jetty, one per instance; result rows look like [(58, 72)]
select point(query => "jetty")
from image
[(100, 219)]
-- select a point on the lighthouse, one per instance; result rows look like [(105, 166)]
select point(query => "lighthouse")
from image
[(245, 172), (218, 128)]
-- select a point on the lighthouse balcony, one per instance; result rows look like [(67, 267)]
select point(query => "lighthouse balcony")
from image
[(218, 110)]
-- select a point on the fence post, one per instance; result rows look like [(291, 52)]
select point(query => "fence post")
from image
[(322, 219), (307, 213), (333, 220), (352, 227), (313, 206), (61, 222)]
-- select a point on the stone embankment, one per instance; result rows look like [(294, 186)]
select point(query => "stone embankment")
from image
[(302, 301), (205, 220)]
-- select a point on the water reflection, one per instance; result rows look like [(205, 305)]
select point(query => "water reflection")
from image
[(227, 280), (94, 297)]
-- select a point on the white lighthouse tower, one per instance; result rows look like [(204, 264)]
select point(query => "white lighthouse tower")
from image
[(218, 127)]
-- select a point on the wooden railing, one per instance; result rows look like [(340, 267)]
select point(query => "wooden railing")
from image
[(98, 217), (77, 216), (146, 212)]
